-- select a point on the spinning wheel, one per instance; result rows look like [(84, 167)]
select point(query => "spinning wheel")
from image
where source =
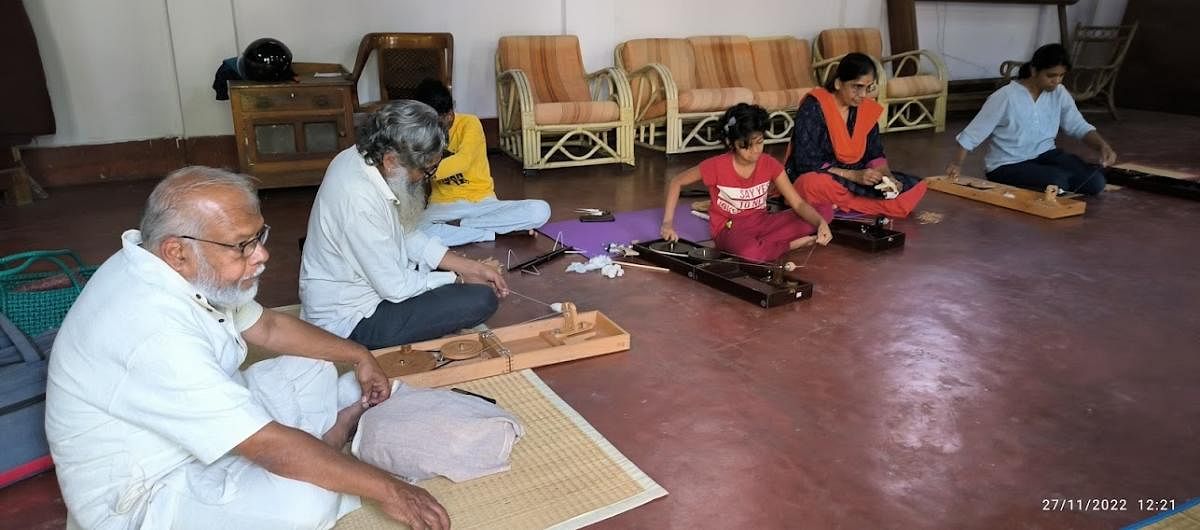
[(704, 253), (1047, 203), (406, 361), (672, 248), (459, 350)]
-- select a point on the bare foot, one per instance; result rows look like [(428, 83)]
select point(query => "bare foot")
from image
[(344, 427)]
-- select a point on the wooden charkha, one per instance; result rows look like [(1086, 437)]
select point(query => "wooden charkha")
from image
[(456, 359), (764, 284), (868, 236), (1045, 204), (1157, 171), (1155, 180)]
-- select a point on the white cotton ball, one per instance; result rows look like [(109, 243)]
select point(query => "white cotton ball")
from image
[(889, 187), (612, 270), (557, 307)]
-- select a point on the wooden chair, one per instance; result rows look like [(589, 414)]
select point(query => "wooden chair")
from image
[(1097, 53), (405, 59), (552, 113), (728, 60), (907, 94), (785, 73), (673, 111)]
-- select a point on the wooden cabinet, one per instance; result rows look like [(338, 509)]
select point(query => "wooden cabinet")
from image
[(288, 132)]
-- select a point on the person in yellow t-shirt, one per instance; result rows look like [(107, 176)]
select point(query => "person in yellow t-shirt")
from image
[(463, 207)]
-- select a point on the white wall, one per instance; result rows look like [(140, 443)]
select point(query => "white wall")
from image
[(329, 31), (202, 35), (974, 39), (136, 69), (108, 69)]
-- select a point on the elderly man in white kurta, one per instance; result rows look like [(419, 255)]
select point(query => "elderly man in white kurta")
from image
[(150, 422), (368, 272)]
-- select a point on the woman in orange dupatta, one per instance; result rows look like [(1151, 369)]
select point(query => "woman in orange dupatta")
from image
[(836, 156)]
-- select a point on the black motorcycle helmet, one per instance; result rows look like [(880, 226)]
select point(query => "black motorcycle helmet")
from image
[(266, 59)]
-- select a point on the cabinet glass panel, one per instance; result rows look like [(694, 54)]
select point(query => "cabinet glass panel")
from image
[(275, 139), (321, 137)]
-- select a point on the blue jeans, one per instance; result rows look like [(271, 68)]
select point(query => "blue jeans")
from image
[(1065, 170), (481, 221), (429, 315)]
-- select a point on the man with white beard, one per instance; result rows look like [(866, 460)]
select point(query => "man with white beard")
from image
[(150, 421), (367, 272)]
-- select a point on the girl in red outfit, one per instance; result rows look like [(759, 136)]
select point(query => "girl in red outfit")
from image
[(738, 182)]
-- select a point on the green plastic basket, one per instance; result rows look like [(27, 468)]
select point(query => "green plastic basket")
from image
[(36, 311)]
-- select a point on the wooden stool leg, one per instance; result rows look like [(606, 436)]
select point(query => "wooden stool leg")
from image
[(20, 192), (21, 188), (15, 188), (38, 192)]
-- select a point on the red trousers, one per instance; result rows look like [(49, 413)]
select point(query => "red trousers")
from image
[(768, 236), (820, 188)]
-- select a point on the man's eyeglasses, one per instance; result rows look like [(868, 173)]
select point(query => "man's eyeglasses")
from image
[(430, 172), (246, 247)]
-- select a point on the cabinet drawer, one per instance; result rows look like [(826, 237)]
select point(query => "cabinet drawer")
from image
[(299, 98)]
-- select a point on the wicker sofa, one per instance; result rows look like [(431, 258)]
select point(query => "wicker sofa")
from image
[(681, 86)]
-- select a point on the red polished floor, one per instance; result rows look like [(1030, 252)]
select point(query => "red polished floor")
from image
[(999, 359)]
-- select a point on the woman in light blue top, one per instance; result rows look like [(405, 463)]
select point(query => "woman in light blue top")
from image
[(1023, 118)]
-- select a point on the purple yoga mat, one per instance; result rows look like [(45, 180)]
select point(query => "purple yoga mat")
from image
[(642, 225)]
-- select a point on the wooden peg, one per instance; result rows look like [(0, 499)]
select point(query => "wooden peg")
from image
[(569, 313), (1052, 194), (572, 331)]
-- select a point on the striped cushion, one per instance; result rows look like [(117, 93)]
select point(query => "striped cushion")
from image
[(675, 54), (913, 85), (782, 63), (840, 41), (576, 112), (704, 100), (780, 99), (724, 62), (552, 63)]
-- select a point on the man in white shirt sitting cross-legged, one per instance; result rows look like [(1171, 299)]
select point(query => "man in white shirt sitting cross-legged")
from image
[(150, 421), (367, 272)]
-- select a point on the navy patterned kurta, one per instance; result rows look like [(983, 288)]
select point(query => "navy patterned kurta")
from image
[(812, 150)]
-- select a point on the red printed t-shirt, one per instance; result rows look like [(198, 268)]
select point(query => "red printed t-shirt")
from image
[(733, 197)]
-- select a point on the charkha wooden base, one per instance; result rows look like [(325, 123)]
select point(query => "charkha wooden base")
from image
[(553, 340), (1155, 180), (1042, 204), (1158, 171)]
